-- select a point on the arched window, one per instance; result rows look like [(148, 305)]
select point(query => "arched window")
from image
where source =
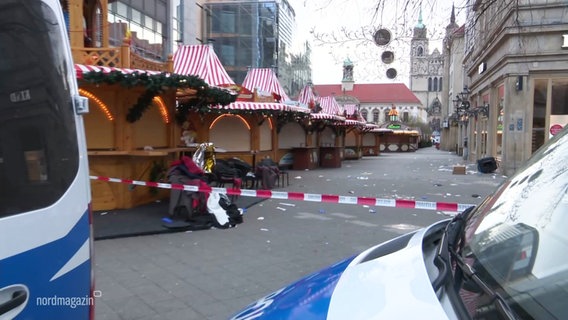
[(405, 116), (419, 51), (435, 84), (440, 84), (375, 115), (387, 115), (364, 114), (429, 84)]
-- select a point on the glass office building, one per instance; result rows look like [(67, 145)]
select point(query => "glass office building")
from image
[(257, 34), (148, 23)]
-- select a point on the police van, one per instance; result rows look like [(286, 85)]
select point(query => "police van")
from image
[(45, 217), (504, 259)]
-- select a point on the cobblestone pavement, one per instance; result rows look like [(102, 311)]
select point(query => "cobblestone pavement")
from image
[(214, 273)]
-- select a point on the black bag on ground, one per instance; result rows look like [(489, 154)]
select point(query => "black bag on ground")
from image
[(487, 165)]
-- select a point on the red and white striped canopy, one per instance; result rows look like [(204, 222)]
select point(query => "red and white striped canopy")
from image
[(353, 123), (264, 79), (80, 69), (329, 105), (201, 61), (246, 105), (307, 95), (298, 108), (371, 125), (326, 116), (350, 109)]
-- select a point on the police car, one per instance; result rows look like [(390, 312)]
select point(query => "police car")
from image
[(504, 259)]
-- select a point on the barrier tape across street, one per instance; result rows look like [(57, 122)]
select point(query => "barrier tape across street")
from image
[(298, 196)]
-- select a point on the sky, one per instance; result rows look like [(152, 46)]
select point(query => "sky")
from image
[(343, 29)]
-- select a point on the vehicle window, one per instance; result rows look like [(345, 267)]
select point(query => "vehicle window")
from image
[(516, 241), (38, 144)]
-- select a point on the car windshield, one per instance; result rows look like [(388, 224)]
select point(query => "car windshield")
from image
[(516, 241)]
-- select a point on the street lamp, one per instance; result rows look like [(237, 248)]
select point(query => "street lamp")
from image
[(462, 102), (462, 105), (483, 110)]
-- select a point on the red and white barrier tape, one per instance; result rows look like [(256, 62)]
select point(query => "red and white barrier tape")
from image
[(298, 196)]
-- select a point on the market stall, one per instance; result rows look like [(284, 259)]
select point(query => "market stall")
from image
[(249, 127), (331, 134), (131, 130), (402, 138), (372, 136)]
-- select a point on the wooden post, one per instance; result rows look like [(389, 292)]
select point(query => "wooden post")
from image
[(170, 63), (125, 53), (105, 25), (76, 23)]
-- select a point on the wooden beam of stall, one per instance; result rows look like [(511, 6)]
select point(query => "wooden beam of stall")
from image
[(76, 31)]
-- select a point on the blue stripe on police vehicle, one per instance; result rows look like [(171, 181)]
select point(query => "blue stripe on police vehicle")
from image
[(308, 298)]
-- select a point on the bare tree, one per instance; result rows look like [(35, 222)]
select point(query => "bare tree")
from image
[(399, 17)]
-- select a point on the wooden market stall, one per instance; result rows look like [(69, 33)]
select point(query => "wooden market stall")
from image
[(354, 125), (330, 139), (131, 130), (120, 149), (289, 130), (116, 147), (303, 151), (372, 137), (401, 138), (248, 128)]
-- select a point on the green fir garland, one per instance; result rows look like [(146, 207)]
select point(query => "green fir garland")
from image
[(205, 101), (155, 84)]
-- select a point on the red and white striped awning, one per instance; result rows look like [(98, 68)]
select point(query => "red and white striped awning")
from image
[(353, 123), (371, 126), (298, 108), (326, 116), (246, 105), (264, 79), (350, 109), (201, 61), (307, 95), (81, 69), (329, 105)]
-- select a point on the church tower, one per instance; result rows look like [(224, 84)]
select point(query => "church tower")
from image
[(446, 52), (426, 73), (347, 81), (419, 50)]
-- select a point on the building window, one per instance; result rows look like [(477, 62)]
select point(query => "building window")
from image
[(228, 55), (429, 84), (420, 51), (177, 25), (559, 100), (376, 116), (405, 116), (147, 33), (364, 114), (500, 116), (440, 84), (435, 85), (387, 115), (539, 114)]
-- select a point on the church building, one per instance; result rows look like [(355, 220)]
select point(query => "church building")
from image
[(374, 101), (426, 75)]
